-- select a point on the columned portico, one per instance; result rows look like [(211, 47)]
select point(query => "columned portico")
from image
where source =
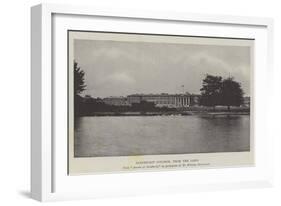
[(173, 100)]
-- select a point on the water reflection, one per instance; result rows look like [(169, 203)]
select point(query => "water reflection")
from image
[(149, 135)]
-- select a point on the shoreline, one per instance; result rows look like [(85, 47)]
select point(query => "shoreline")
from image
[(178, 113)]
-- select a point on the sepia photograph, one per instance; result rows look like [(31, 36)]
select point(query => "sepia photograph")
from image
[(144, 94)]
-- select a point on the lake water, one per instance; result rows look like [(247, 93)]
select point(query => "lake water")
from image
[(150, 135)]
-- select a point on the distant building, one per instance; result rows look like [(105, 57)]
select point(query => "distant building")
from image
[(116, 101), (165, 99), (246, 102), (88, 98)]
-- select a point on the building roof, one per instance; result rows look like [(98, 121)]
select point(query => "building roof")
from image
[(162, 94)]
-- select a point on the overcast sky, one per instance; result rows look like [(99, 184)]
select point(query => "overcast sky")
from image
[(115, 68)]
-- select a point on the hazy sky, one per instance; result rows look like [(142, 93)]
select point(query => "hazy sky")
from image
[(115, 68)]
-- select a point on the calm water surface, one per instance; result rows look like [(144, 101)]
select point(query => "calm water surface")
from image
[(149, 135)]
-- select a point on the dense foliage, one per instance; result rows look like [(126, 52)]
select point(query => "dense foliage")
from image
[(218, 91)]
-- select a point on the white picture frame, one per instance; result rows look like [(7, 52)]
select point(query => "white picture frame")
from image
[(49, 179)]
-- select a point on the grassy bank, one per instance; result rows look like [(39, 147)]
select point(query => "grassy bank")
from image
[(183, 112)]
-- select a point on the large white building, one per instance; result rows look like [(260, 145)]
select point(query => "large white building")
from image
[(161, 100), (116, 101), (165, 99)]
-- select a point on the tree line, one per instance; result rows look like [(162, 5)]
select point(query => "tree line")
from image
[(88, 106), (215, 91), (218, 91)]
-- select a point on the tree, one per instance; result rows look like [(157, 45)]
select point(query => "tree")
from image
[(211, 91), (79, 81), (231, 93), (79, 87)]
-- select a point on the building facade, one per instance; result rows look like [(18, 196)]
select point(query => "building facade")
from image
[(116, 101), (165, 100), (246, 102)]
